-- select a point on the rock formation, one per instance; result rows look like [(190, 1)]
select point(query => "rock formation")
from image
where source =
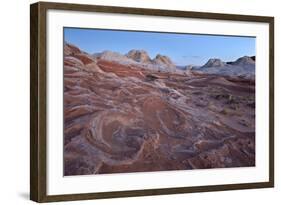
[(140, 56), (113, 56), (122, 118), (164, 61), (214, 62), (244, 61), (243, 67)]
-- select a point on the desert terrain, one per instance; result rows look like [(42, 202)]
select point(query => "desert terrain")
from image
[(138, 114)]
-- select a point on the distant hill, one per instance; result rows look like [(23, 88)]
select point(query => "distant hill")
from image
[(244, 66), (214, 62), (244, 61), (139, 58)]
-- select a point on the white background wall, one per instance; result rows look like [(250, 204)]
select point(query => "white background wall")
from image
[(14, 101)]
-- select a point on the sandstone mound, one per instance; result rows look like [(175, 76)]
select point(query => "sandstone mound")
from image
[(69, 49), (74, 58), (243, 67), (115, 57), (244, 61), (214, 62), (139, 59), (163, 61), (140, 56)]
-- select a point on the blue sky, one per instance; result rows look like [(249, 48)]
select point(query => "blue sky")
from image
[(183, 49)]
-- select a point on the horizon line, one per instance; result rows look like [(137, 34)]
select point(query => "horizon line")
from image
[(180, 65)]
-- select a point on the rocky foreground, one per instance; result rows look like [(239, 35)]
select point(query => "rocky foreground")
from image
[(123, 118)]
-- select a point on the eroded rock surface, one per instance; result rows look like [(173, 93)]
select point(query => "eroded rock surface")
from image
[(121, 118), (140, 56)]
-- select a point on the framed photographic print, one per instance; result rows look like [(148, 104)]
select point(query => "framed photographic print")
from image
[(133, 102)]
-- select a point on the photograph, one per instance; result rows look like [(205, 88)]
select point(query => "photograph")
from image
[(146, 101)]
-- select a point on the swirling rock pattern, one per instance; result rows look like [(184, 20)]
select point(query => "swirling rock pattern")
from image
[(121, 118)]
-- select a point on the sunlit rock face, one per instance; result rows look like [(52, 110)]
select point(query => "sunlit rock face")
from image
[(139, 56), (122, 118)]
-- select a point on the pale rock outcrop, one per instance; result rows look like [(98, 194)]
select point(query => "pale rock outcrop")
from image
[(214, 62), (140, 56), (244, 61), (165, 61)]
